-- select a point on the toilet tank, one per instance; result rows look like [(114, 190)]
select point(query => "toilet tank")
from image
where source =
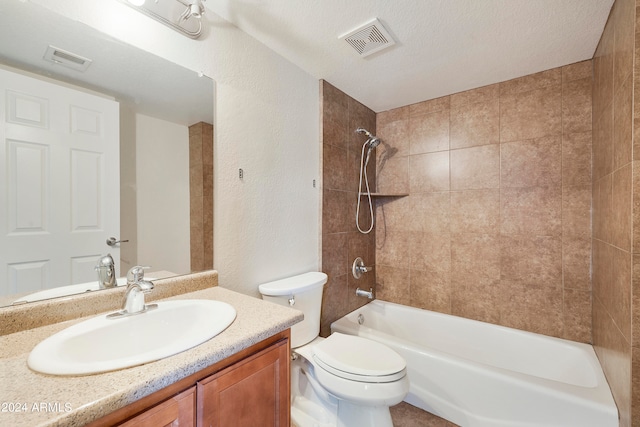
[(302, 292)]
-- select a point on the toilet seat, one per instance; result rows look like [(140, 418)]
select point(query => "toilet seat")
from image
[(359, 359)]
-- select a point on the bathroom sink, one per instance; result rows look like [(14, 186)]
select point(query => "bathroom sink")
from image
[(103, 344), (62, 291)]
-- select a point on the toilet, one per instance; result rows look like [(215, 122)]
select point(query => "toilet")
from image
[(338, 381)]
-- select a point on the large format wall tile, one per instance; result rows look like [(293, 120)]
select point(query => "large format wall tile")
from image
[(497, 223), (532, 114), (341, 243)]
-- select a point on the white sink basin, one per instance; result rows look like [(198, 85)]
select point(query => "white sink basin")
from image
[(104, 344)]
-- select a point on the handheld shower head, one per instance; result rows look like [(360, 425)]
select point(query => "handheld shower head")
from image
[(373, 141)]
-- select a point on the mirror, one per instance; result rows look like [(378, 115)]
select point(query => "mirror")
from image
[(155, 98)]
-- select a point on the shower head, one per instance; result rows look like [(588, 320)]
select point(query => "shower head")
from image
[(364, 131), (373, 141)]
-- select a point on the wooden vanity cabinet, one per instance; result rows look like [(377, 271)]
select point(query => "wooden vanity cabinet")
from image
[(250, 388), (250, 393), (177, 411)]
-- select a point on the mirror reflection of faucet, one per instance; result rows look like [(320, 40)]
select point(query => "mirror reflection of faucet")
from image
[(358, 268), (106, 269)]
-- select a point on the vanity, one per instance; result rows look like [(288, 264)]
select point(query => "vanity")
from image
[(235, 378)]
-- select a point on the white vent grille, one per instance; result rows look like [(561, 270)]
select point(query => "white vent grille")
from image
[(369, 38), (66, 58)]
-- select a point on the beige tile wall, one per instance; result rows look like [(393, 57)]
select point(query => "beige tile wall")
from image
[(627, 133), (341, 242), (496, 226), (612, 203), (201, 195)]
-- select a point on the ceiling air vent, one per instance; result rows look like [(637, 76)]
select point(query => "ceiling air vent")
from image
[(66, 58), (369, 38)]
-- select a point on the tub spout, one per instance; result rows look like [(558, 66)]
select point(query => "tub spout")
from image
[(363, 293)]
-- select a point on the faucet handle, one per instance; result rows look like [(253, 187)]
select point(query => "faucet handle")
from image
[(135, 274), (358, 268)]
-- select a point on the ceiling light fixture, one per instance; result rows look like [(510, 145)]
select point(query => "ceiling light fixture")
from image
[(184, 16), (194, 9)]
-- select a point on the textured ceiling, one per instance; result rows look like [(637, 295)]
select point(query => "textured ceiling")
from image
[(442, 46)]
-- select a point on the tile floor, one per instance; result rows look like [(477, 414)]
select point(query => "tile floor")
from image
[(405, 415)]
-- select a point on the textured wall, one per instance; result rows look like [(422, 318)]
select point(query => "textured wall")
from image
[(162, 185), (496, 226), (341, 242), (266, 122)]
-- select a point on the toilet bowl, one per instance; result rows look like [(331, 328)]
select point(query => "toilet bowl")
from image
[(341, 380)]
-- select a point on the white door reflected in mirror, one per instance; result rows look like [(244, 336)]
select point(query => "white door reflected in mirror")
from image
[(60, 147)]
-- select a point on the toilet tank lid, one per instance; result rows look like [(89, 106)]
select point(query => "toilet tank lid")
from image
[(294, 284)]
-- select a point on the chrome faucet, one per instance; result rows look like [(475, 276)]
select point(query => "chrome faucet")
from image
[(106, 269), (133, 302), (363, 293)]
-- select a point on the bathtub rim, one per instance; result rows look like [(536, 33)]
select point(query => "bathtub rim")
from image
[(599, 395)]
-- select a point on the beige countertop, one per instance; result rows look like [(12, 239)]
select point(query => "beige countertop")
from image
[(31, 399)]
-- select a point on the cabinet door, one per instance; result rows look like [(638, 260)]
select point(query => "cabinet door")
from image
[(179, 411), (253, 392)]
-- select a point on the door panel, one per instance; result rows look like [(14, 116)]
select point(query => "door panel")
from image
[(59, 197)]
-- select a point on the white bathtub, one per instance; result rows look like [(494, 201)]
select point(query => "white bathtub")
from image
[(476, 374)]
